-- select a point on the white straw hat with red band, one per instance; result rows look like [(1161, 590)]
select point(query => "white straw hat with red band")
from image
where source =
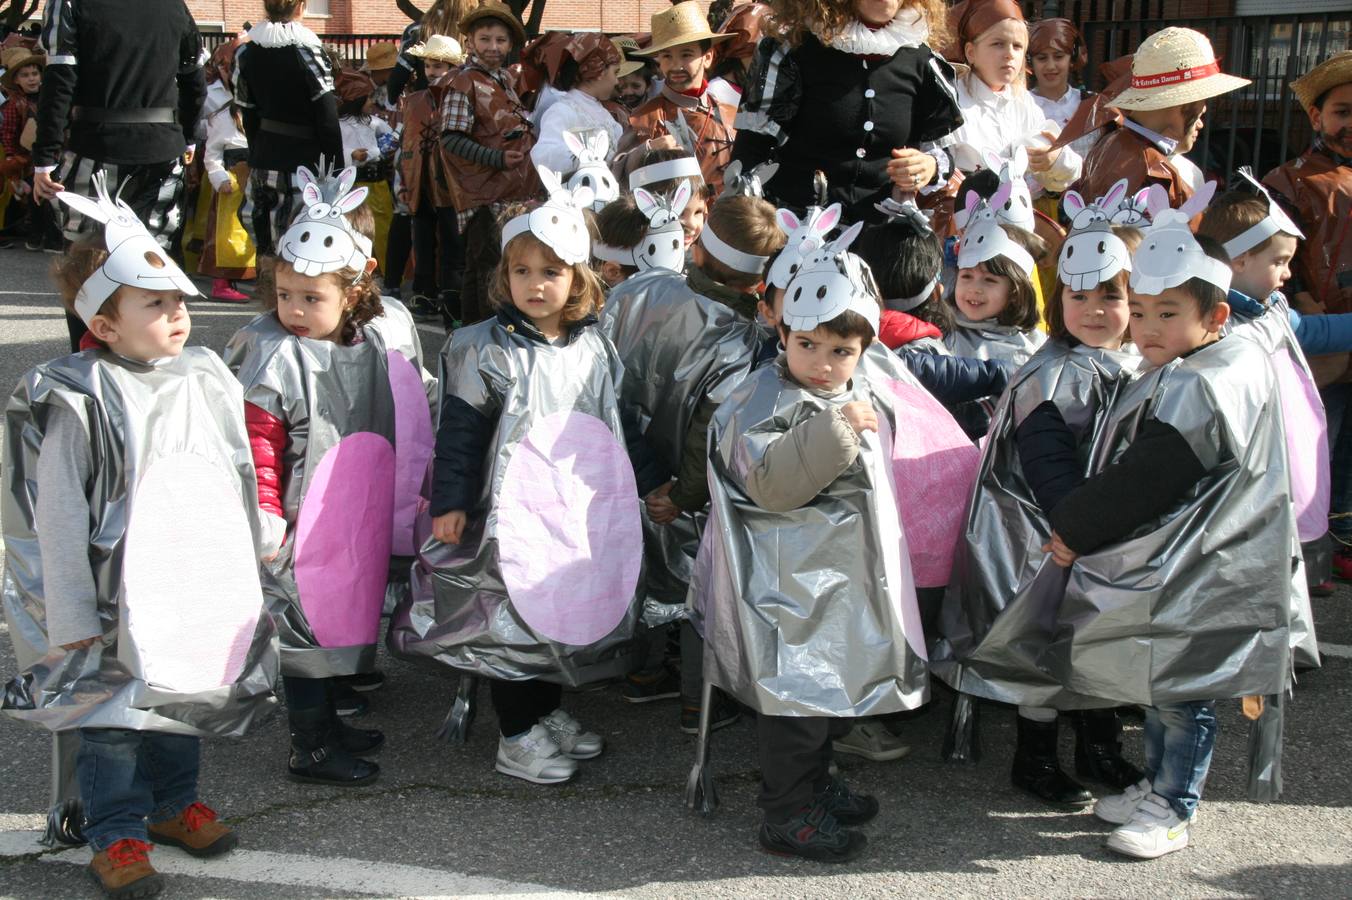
[(1173, 67)]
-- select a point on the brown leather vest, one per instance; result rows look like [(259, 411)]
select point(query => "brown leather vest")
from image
[(1122, 153), (1321, 195), (500, 123), (423, 164), (710, 120)]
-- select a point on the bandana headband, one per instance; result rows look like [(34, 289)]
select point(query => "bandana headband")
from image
[(737, 260), (135, 258), (1275, 222)]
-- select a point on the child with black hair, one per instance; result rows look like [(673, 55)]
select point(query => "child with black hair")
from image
[(1191, 522), (906, 257)]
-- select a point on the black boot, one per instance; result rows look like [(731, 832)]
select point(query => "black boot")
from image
[(317, 753), (1037, 770), (357, 741), (1098, 749)]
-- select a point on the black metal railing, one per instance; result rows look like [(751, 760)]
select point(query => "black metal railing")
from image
[(1261, 125), (351, 47)]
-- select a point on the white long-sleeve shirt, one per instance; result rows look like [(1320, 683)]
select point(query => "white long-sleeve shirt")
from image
[(573, 111), (222, 135), (1060, 111), (362, 135), (997, 123)]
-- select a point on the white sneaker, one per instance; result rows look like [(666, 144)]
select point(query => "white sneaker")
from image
[(1117, 809), (572, 740), (534, 757), (871, 741), (1154, 830)]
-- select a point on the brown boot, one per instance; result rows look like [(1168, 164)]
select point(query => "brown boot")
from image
[(124, 870), (196, 831)]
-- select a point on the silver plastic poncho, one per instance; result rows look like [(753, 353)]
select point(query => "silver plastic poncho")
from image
[(326, 587), (1197, 605), (546, 581), (187, 645), (1307, 448), (1004, 590), (988, 339), (679, 348), (810, 612)]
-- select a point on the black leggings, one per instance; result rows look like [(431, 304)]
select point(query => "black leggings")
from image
[(520, 704), (438, 252)]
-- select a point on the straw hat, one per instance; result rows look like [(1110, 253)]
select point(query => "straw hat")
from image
[(1173, 67), (381, 56), (628, 47), (1330, 73), (440, 47), (683, 23), (493, 9)]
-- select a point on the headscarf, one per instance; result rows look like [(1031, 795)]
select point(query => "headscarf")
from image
[(969, 19), (1058, 34), (352, 85)]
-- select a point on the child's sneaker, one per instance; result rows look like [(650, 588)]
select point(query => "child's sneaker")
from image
[(1117, 809), (196, 831), (1154, 830), (572, 740), (645, 687), (871, 741), (725, 712), (534, 757), (124, 870), (845, 806), (812, 833)]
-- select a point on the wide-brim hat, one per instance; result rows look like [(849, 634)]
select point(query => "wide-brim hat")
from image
[(441, 47), (492, 9), (381, 56), (683, 23), (12, 59), (1172, 67), (628, 48), (1326, 76)]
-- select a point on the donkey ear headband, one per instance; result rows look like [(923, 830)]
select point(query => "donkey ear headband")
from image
[(591, 147), (831, 281), (1276, 221), (321, 239), (750, 184), (806, 237), (663, 246), (984, 239), (135, 258), (1169, 253), (1091, 253), (558, 222)]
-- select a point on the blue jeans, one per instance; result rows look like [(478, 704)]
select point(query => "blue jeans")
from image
[(1179, 739), (128, 776)]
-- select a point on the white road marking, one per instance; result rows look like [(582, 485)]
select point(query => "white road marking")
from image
[(336, 874), (1342, 650)]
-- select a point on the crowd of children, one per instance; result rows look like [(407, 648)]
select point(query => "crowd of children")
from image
[(937, 414)]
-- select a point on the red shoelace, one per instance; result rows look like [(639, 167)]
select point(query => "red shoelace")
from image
[(197, 815), (127, 852)]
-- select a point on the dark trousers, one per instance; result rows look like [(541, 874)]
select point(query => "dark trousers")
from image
[(127, 777), (438, 252), (795, 756), (520, 704), (482, 253), (305, 693), (397, 251)]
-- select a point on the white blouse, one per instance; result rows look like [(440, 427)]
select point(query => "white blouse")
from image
[(573, 111), (997, 123), (362, 135), (222, 135), (1060, 112)]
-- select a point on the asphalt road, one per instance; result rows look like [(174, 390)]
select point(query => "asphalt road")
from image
[(441, 823)]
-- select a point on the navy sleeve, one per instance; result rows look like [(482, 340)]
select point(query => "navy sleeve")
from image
[(1148, 478), (649, 472), (956, 379), (1047, 455), (457, 467)]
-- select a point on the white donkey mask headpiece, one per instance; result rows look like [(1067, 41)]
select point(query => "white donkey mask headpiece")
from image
[(663, 246), (1276, 221), (558, 222), (1169, 253), (135, 258), (590, 147), (1091, 253), (806, 237), (831, 281), (750, 184), (985, 238), (321, 239), (1015, 203)]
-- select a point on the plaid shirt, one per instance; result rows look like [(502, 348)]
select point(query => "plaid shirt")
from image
[(457, 112)]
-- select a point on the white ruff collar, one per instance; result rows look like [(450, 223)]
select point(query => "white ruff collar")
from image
[(908, 29), (282, 34)]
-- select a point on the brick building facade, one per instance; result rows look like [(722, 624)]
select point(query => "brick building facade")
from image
[(384, 17)]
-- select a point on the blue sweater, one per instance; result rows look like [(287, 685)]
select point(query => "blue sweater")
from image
[(1315, 334)]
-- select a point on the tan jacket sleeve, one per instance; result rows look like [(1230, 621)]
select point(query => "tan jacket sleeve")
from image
[(803, 461)]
